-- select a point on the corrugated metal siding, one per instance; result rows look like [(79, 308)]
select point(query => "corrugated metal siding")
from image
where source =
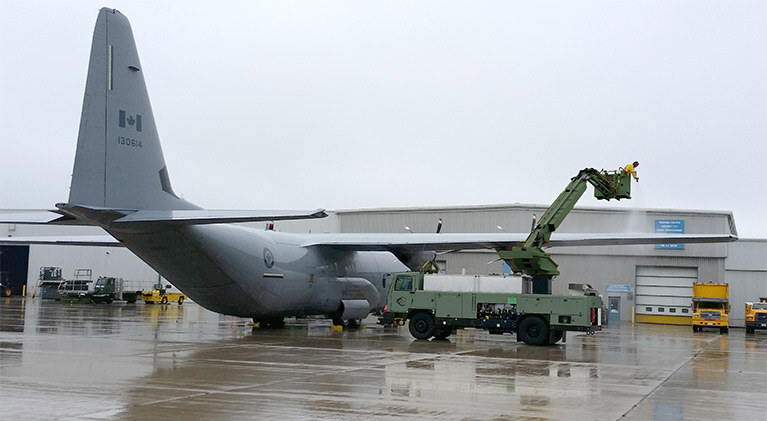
[(747, 255), (744, 286), (599, 271)]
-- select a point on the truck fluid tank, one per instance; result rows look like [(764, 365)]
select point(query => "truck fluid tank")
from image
[(463, 283)]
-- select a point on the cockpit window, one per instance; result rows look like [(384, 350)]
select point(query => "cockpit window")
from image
[(404, 283)]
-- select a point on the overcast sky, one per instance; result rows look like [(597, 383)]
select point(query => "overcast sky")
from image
[(346, 105)]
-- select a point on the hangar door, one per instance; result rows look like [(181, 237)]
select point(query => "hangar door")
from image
[(664, 294)]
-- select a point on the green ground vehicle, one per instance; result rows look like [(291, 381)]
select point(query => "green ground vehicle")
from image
[(538, 319), (107, 289)]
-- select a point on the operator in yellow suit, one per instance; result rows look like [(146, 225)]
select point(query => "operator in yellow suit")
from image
[(631, 169)]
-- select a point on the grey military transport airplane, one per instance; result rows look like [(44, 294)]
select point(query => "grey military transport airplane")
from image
[(121, 184)]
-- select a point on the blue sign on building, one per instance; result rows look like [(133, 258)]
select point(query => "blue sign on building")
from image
[(618, 288), (669, 226)]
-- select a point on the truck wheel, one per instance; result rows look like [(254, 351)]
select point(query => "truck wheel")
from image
[(442, 332), (557, 337), (421, 325), (164, 300), (750, 330), (180, 300), (533, 331), (724, 329)]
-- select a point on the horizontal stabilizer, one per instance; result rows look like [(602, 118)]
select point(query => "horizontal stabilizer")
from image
[(72, 240), (82, 215), (195, 217), (50, 217)]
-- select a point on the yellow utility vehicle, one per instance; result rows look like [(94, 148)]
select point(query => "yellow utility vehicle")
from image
[(160, 294), (756, 315), (710, 306)]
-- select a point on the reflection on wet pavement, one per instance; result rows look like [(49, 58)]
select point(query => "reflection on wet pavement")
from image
[(136, 361)]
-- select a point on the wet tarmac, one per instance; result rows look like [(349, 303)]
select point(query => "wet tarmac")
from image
[(137, 361)]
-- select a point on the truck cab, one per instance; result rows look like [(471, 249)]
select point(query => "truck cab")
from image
[(756, 316), (103, 290)]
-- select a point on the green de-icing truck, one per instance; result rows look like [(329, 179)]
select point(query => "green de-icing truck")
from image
[(538, 319)]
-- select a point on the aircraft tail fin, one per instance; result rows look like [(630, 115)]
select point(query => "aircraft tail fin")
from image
[(119, 162)]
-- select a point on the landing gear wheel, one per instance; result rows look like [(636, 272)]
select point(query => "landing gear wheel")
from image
[(347, 323), (270, 322), (421, 326), (533, 331)]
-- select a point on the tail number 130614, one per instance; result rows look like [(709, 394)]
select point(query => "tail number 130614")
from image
[(126, 141)]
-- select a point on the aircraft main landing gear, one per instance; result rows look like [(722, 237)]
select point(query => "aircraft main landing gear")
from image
[(268, 323)]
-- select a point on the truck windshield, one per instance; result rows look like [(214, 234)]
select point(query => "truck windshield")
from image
[(759, 306), (710, 305), (404, 283)]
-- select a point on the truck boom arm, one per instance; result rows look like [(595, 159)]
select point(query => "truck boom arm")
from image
[(530, 258)]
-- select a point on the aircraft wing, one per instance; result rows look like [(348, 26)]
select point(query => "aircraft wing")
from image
[(432, 242), (628, 239), (496, 241)]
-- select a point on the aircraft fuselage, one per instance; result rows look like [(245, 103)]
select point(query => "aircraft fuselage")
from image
[(247, 272)]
